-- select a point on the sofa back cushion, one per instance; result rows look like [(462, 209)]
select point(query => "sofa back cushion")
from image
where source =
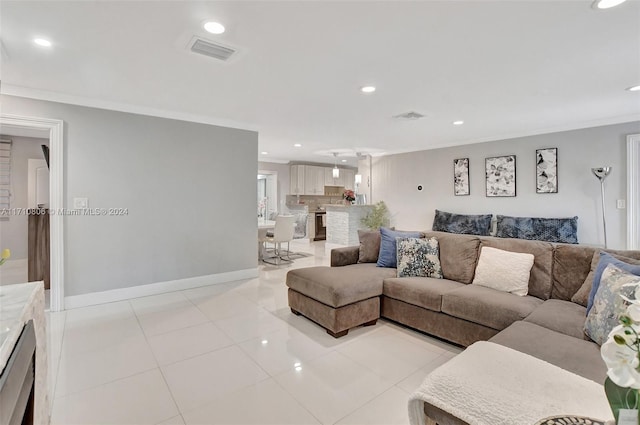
[(369, 246), (458, 255), (540, 279), (571, 265)]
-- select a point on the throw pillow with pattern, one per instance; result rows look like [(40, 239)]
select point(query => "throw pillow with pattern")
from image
[(418, 257), (608, 305)]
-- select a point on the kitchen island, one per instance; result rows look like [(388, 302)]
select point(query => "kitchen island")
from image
[(23, 354), (343, 222)]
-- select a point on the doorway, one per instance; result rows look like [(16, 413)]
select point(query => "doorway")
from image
[(53, 130), (267, 194), (24, 193)]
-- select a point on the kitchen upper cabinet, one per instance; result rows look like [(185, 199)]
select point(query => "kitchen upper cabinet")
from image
[(330, 181), (296, 180), (349, 181), (313, 180)]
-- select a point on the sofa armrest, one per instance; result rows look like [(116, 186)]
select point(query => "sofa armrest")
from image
[(345, 256)]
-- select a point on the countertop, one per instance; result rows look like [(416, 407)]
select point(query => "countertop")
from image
[(14, 301), (19, 304), (343, 207)]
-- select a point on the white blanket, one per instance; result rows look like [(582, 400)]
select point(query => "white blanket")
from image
[(495, 385)]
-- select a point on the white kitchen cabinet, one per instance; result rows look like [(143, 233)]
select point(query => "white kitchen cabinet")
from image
[(296, 180), (349, 179), (313, 180), (330, 181)]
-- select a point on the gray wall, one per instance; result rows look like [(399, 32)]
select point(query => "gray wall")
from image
[(190, 190), (13, 232), (283, 179), (396, 177)]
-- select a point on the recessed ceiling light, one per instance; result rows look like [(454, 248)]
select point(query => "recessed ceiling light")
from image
[(634, 88), (343, 160), (264, 153), (42, 42), (459, 122), (214, 27), (297, 145), (606, 4), (367, 89)]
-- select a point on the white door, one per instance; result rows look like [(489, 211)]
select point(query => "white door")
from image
[(38, 183)]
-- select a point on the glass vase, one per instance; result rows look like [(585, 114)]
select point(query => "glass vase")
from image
[(621, 398)]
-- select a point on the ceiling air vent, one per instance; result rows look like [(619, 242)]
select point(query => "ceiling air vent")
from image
[(210, 49), (409, 116)]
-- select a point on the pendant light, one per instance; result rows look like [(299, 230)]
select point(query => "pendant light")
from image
[(336, 171)]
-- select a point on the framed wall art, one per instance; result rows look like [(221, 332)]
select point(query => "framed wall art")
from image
[(501, 176), (461, 177), (547, 170)]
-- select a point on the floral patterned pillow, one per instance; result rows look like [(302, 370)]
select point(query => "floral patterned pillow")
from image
[(608, 303), (418, 257)]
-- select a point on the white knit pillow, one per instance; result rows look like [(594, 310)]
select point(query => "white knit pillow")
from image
[(504, 270)]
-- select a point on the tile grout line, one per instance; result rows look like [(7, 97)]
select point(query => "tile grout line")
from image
[(57, 367), (164, 379)]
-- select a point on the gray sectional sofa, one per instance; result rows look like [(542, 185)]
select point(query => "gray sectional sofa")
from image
[(545, 323)]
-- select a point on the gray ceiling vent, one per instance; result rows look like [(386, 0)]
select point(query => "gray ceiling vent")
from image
[(210, 49), (409, 116)]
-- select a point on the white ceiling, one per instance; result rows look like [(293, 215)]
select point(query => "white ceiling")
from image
[(507, 68)]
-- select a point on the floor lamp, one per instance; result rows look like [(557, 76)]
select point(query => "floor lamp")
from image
[(601, 173)]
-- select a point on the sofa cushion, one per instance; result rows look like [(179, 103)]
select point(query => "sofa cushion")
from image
[(462, 223), (573, 354), (339, 286), (418, 257), (458, 255), (571, 265), (488, 307), (425, 292), (540, 279), (560, 316), (608, 304), (582, 296), (504, 270), (369, 245)]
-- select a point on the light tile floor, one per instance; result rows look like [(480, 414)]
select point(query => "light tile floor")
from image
[(231, 353)]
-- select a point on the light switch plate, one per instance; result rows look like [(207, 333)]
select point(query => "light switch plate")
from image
[(620, 204), (80, 203)]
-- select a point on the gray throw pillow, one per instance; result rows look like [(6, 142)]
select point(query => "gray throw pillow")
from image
[(369, 246)]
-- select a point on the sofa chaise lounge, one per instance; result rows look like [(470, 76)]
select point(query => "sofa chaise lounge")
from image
[(545, 323)]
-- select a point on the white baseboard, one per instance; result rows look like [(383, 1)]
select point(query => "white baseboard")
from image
[(121, 294)]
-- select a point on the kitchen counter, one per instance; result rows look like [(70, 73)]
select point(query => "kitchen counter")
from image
[(344, 221), (19, 304)]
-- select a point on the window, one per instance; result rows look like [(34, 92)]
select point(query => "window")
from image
[(5, 173)]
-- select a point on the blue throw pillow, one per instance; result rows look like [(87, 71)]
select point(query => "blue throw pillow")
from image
[(388, 255), (605, 260), (462, 223), (562, 230)]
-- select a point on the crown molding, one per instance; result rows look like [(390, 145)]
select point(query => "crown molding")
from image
[(51, 96)]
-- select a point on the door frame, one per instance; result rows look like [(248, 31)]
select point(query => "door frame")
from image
[(56, 196), (633, 191)]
